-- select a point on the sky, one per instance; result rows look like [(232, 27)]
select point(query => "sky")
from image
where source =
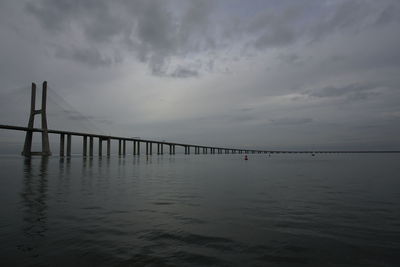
[(277, 74)]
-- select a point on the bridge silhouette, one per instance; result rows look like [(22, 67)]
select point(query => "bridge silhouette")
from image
[(65, 139)]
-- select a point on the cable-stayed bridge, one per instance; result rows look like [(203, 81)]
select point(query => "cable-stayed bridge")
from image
[(88, 140)]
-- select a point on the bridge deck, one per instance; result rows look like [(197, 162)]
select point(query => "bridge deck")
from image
[(110, 137)]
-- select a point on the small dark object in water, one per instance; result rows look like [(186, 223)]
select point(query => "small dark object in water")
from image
[(313, 154), (245, 157)]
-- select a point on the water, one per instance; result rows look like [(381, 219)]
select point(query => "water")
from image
[(201, 210)]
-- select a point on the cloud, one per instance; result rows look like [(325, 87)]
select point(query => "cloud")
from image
[(153, 30), (310, 21), (354, 91), (290, 121), (202, 70), (160, 32), (88, 56), (182, 72)]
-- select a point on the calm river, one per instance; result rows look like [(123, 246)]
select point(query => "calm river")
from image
[(201, 210)]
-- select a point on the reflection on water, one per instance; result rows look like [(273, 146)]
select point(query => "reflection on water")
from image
[(200, 210), (34, 200)]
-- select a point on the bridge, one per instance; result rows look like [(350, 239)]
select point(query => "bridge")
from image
[(65, 138)]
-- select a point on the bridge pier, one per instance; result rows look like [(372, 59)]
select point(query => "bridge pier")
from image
[(27, 150), (149, 148), (68, 145), (84, 145), (124, 147), (134, 148), (91, 146), (62, 141), (162, 148), (138, 147), (100, 152), (119, 147), (108, 147)]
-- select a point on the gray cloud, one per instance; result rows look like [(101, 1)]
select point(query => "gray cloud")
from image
[(354, 91), (290, 23), (158, 31), (290, 121), (182, 72), (89, 56), (209, 71), (153, 30)]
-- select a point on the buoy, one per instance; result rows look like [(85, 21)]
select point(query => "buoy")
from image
[(245, 157)]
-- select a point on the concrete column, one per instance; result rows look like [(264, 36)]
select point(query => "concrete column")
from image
[(119, 147), (68, 145), (124, 147), (134, 148), (138, 147), (62, 141), (170, 149), (151, 148), (91, 146), (162, 148), (100, 147), (108, 147), (84, 146), (173, 149), (158, 149), (147, 148), (29, 134), (45, 135)]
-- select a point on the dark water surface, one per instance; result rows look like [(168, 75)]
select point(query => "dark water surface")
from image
[(199, 210)]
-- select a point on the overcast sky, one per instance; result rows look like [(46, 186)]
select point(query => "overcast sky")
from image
[(260, 74)]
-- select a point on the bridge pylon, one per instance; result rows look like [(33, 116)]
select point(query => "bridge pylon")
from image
[(42, 112)]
